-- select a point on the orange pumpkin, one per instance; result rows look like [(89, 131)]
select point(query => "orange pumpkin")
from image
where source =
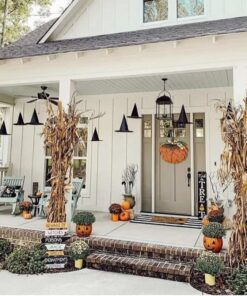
[(84, 230), (125, 205), (26, 215), (174, 153), (114, 217), (124, 216), (205, 221), (213, 244)]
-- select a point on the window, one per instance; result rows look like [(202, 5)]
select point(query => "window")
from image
[(155, 10), (186, 8), (80, 155)]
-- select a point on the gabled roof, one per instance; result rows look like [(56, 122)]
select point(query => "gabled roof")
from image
[(29, 46)]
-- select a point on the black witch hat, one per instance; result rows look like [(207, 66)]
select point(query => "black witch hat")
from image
[(182, 120), (135, 114), (34, 119), (3, 130), (124, 127), (95, 137), (20, 120)]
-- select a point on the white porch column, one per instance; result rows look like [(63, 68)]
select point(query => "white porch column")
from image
[(66, 90), (239, 83)]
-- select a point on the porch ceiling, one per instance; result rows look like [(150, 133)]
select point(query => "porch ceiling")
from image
[(195, 80)]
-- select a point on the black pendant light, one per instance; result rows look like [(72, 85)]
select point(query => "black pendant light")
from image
[(182, 120), (124, 127), (34, 119), (95, 137), (3, 130), (164, 104), (20, 121), (135, 114)]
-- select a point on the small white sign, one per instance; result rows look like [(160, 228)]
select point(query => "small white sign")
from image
[(56, 232), (55, 247), (55, 266)]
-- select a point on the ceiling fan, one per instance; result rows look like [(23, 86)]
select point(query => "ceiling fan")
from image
[(44, 96)]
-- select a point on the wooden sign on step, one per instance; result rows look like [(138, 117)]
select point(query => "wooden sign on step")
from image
[(56, 232), (55, 253), (55, 247), (55, 266), (58, 225), (54, 239), (56, 260)]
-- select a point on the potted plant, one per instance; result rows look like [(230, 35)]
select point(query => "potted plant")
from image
[(213, 233), (115, 210), (26, 208), (216, 216), (84, 221), (78, 251), (128, 180), (211, 265)]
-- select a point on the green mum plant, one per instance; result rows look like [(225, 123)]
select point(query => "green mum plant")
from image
[(5, 249), (84, 218), (214, 230), (27, 260), (238, 281), (210, 263), (78, 250), (115, 209)]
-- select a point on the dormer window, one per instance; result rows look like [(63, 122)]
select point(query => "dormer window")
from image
[(155, 10), (190, 8)]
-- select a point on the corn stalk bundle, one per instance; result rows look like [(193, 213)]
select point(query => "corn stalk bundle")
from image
[(60, 138), (234, 166)]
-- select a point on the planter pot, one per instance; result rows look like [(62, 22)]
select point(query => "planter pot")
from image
[(209, 279), (213, 244), (130, 199), (115, 217), (78, 263), (84, 230), (26, 215)]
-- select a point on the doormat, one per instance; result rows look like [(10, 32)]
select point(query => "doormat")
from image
[(168, 221)]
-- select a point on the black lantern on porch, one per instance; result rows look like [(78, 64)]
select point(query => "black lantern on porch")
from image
[(164, 104)]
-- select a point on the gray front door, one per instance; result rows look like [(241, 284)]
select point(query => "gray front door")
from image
[(173, 188)]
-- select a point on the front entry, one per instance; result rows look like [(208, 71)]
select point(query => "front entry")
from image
[(173, 181)]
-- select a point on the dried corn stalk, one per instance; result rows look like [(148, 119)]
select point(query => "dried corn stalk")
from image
[(234, 166), (60, 138)]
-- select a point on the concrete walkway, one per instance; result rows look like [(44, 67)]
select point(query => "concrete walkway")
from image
[(90, 282), (104, 227)]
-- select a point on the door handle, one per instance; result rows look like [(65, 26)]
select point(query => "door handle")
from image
[(188, 176)]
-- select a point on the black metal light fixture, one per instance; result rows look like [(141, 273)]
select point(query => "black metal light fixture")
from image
[(34, 119), (182, 120), (3, 130), (20, 121), (135, 114), (95, 137), (124, 126), (164, 104)]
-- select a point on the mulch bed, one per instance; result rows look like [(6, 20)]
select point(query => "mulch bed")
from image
[(221, 287)]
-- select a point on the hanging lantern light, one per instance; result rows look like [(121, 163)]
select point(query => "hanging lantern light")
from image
[(95, 137), (3, 130), (34, 119), (20, 121), (164, 104), (124, 127), (182, 120), (135, 114)]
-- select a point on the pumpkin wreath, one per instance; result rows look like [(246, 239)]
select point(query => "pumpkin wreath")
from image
[(174, 152)]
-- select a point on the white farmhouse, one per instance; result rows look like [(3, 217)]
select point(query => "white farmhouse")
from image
[(114, 54)]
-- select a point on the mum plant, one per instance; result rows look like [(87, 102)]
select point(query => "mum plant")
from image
[(26, 206), (84, 218), (214, 230), (115, 209), (78, 250)]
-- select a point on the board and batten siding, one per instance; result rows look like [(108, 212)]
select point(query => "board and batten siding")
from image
[(107, 159), (99, 17)]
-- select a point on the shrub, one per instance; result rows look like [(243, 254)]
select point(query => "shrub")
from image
[(216, 216), (210, 263), (78, 250), (27, 260), (115, 209), (84, 218), (238, 281), (5, 249), (214, 230)]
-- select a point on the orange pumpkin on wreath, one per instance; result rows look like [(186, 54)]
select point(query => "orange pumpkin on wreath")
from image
[(174, 152)]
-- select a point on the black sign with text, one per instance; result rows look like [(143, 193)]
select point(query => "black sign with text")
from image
[(55, 239), (202, 194)]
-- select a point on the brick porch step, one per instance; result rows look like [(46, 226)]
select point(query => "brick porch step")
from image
[(140, 266)]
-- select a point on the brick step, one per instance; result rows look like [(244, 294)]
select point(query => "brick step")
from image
[(147, 250), (140, 266)]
